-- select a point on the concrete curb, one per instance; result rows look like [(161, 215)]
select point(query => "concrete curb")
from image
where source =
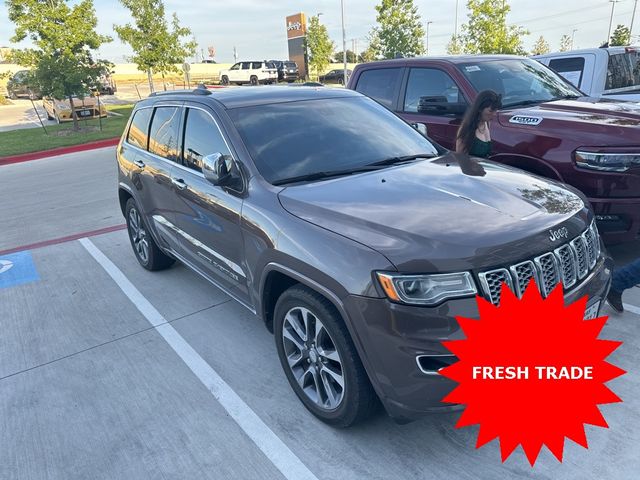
[(26, 157)]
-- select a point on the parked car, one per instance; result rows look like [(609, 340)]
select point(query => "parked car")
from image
[(18, 86), (546, 125), (253, 73), (60, 110), (334, 76), (612, 73), (287, 70), (357, 247)]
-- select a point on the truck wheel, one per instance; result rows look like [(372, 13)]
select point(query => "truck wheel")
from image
[(320, 360), (144, 247), (253, 80), (224, 80)]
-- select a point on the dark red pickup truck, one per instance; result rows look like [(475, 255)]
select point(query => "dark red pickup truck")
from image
[(546, 125)]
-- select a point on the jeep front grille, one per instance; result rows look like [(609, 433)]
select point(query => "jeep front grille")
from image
[(567, 264)]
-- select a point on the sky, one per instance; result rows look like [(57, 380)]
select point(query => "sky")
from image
[(257, 27)]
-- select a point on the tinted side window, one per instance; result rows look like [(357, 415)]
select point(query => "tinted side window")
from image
[(570, 68), (139, 128), (235, 67), (201, 138), (163, 137), (623, 70), (381, 84), (246, 65), (429, 82)]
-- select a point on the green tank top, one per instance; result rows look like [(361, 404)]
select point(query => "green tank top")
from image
[(480, 148)]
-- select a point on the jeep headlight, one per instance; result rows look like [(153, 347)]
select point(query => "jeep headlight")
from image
[(426, 289), (611, 162)]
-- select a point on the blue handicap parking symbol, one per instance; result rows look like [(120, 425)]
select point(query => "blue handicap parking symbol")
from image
[(17, 269)]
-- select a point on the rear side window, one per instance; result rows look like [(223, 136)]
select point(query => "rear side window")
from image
[(433, 83), (201, 138), (163, 136), (570, 68), (256, 65), (246, 65), (623, 71), (380, 84), (139, 128)]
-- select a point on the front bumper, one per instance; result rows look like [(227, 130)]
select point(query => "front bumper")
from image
[(620, 219), (392, 336)]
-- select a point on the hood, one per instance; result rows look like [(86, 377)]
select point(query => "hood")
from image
[(593, 111), (451, 213)]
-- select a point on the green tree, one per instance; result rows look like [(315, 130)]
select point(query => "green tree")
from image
[(319, 46), (621, 36), (399, 30), (565, 43), (64, 39), (454, 47), (540, 47), (339, 57), (157, 46), (487, 30)]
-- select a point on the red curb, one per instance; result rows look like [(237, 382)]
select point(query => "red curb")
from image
[(68, 238), (26, 157)]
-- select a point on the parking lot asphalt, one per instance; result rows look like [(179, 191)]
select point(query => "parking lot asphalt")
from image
[(110, 371)]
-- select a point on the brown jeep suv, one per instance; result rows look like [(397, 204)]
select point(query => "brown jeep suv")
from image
[(352, 236)]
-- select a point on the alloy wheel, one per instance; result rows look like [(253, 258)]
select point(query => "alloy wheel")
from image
[(138, 235), (313, 358)]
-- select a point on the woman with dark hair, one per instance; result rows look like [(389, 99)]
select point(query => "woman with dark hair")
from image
[(474, 137)]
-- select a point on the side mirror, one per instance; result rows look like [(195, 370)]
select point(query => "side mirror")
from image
[(421, 127), (217, 169)]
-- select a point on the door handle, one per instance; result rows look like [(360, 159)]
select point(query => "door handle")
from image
[(179, 183), (138, 163)]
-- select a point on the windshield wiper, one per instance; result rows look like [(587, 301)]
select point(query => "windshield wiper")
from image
[(405, 158), (324, 175), (523, 103), (570, 96)]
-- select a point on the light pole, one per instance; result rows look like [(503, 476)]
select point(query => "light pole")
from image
[(633, 16), (573, 35), (613, 6), (455, 28), (344, 45), (428, 23)]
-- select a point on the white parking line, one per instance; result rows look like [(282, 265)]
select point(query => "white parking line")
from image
[(632, 308), (268, 442)]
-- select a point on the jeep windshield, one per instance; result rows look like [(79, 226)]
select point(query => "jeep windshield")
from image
[(317, 139), (520, 81)]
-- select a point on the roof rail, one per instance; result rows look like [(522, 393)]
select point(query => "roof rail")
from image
[(201, 90)]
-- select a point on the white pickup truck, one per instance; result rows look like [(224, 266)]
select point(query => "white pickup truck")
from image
[(612, 72)]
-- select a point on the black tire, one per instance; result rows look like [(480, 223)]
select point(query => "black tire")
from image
[(253, 80), (49, 117), (358, 401), (155, 259), (341, 81), (224, 80)]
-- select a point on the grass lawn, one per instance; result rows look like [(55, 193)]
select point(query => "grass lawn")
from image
[(29, 140)]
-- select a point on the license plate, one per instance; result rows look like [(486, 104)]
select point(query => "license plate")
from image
[(84, 113), (591, 311)]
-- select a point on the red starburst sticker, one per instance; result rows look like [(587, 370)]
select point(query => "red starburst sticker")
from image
[(531, 372)]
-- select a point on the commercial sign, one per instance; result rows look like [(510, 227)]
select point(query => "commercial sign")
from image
[(296, 26), (296, 33)]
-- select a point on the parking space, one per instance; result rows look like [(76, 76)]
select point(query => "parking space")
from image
[(89, 388)]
